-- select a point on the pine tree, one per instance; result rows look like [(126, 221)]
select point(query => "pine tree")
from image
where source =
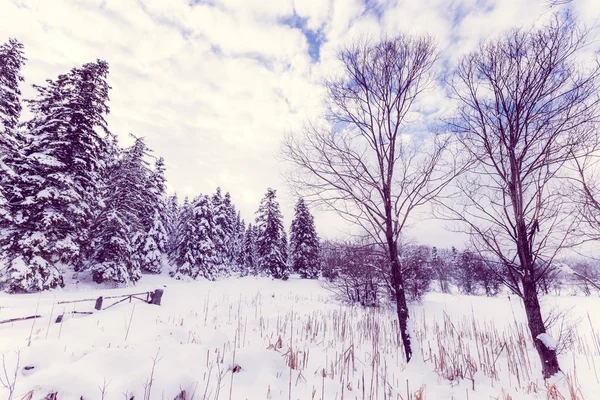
[(172, 210), (57, 176), (284, 248), (269, 242), (181, 229), (12, 60), (221, 226), (231, 229), (249, 251), (238, 242), (114, 258), (119, 230), (158, 181), (196, 253), (154, 244), (304, 243), (24, 272)]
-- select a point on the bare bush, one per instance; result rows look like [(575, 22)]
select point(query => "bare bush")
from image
[(358, 272), (416, 270), (355, 273), (586, 275)]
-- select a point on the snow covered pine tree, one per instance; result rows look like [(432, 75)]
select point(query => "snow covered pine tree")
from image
[(234, 234), (270, 242), (171, 219), (57, 177), (304, 243), (250, 258), (237, 245), (221, 227), (11, 61), (154, 244), (118, 230), (195, 252)]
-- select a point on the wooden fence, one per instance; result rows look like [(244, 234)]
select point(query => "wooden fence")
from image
[(152, 297)]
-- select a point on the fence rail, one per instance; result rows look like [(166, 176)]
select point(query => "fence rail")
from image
[(151, 297)]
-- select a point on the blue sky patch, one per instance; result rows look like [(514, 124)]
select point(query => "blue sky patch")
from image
[(315, 39)]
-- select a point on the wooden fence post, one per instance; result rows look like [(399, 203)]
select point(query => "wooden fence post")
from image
[(156, 297), (98, 305)]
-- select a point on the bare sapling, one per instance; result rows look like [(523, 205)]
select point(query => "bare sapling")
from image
[(150, 381), (103, 389), (8, 380)]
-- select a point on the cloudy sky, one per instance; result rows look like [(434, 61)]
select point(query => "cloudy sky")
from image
[(213, 85)]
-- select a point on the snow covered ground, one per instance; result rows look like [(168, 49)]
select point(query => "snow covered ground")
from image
[(288, 336)]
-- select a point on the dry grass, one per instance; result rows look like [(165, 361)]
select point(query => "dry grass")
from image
[(355, 353)]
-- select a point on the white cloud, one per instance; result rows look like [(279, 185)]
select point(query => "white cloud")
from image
[(214, 85)]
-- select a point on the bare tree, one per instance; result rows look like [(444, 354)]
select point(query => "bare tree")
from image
[(585, 193), (585, 189), (361, 161), (525, 109)]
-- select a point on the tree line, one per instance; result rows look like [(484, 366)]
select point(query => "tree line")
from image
[(208, 238), (73, 200), (357, 272)]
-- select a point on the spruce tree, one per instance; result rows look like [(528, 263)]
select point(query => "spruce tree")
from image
[(57, 177), (172, 210), (249, 251), (195, 254), (114, 258), (12, 60), (238, 242), (157, 180), (304, 243), (220, 226), (154, 247), (284, 248), (154, 234), (181, 229), (269, 242), (118, 231), (231, 228)]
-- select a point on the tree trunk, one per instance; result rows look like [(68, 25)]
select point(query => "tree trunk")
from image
[(401, 306), (536, 327)]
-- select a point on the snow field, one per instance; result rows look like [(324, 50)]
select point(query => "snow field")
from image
[(292, 340)]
